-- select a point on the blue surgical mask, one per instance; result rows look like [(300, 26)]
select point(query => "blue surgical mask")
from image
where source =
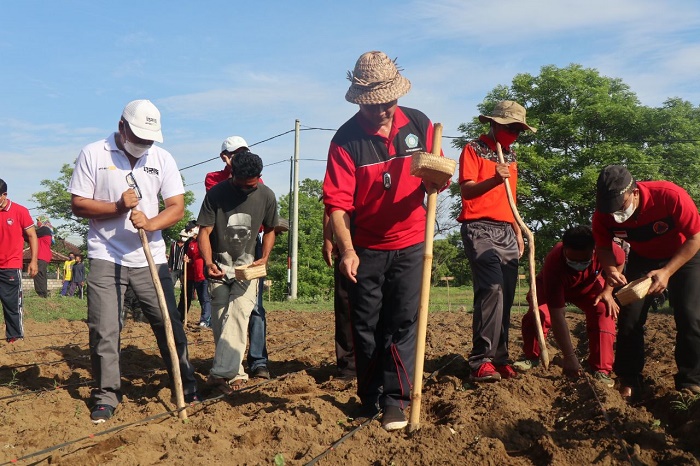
[(578, 266)]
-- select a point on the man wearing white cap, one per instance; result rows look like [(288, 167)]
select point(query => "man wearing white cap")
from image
[(231, 146), (376, 211), (116, 183)]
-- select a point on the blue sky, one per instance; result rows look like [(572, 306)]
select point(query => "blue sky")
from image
[(222, 68)]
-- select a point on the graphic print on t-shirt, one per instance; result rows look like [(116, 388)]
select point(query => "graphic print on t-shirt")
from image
[(238, 233)]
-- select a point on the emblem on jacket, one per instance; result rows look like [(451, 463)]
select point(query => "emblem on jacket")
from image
[(411, 141), (660, 228)]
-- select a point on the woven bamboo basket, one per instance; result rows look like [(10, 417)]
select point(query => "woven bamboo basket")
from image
[(633, 291), (432, 167), (249, 272)]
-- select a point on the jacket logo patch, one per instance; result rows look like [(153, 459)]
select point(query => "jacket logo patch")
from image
[(660, 228), (412, 141), (620, 234)]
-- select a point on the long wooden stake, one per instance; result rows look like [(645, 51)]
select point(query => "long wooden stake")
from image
[(184, 290), (544, 354), (416, 394), (174, 361)]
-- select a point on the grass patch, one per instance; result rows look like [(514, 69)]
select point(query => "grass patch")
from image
[(54, 308), (442, 299)]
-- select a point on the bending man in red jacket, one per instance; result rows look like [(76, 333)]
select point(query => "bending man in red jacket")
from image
[(572, 273)]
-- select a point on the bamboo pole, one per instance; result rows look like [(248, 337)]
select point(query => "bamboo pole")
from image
[(544, 354), (416, 394), (174, 361)]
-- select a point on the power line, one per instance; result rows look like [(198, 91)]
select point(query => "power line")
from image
[(251, 145)]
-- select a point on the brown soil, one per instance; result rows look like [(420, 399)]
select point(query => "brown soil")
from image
[(537, 419)]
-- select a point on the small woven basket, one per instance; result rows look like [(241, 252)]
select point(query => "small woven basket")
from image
[(633, 291), (432, 167), (249, 272)]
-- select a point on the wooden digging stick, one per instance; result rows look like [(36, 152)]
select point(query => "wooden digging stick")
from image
[(174, 361), (424, 292), (184, 290), (544, 354)]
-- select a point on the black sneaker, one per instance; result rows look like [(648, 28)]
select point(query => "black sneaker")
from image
[(365, 411), (393, 418), (261, 372), (100, 413)]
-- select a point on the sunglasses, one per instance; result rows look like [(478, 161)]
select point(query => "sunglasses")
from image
[(514, 128), (131, 181)]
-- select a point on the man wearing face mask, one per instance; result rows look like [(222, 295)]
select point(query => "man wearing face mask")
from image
[(572, 274), (661, 223), (230, 212), (116, 184), (492, 239)]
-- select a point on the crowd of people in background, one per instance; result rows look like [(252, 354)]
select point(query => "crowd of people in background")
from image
[(373, 235)]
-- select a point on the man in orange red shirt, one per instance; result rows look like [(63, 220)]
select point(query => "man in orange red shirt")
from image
[(661, 223), (572, 273), (492, 239), (15, 225)]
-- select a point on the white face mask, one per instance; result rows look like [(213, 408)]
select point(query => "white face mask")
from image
[(136, 150), (578, 266), (622, 215)]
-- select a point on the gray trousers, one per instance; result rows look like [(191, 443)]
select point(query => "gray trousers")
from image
[(106, 287), (492, 250)]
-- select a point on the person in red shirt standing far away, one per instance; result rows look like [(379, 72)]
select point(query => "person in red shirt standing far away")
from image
[(44, 234), (492, 239), (196, 282), (572, 274), (15, 225), (378, 219), (661, 223)]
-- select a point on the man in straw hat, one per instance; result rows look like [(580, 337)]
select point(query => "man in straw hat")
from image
[(571, 274), (378, 219), (661, 223), (116, 183), (492, 238)]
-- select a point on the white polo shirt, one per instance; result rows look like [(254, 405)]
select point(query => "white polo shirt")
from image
[(100, 174)]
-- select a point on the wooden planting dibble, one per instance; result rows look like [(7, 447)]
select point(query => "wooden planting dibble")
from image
[(438, 170)]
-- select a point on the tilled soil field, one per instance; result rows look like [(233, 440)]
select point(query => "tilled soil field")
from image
[(304, 415)]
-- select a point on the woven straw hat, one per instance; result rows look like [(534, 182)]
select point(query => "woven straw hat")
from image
[(506, 112), (633, 291), (376, 80)]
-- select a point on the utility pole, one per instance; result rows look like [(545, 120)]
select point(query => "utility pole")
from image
[(295, 217)]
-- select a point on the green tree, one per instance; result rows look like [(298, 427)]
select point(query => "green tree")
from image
[(314, 277), (449, 261), (586, 121), (55, 201)]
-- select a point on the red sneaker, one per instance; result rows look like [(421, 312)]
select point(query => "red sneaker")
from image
[(506, 371), (485, 373)]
